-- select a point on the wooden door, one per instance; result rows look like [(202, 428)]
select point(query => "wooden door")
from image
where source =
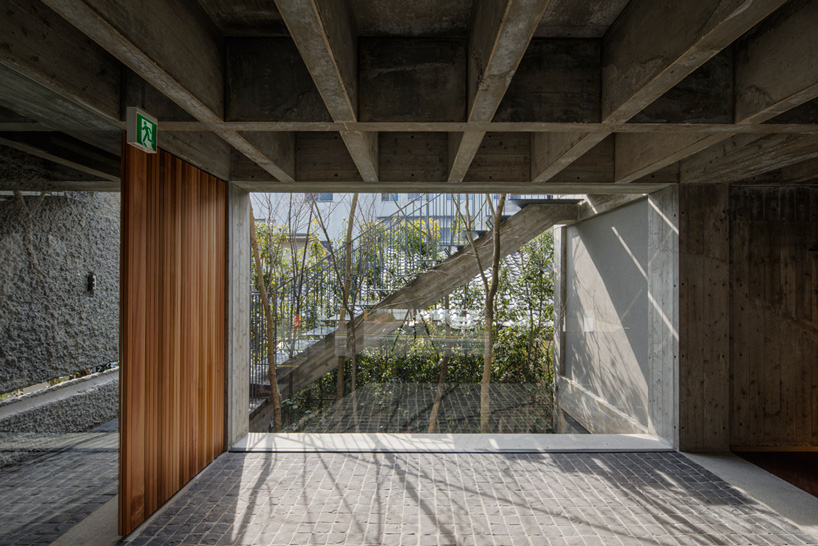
[(172, 329)]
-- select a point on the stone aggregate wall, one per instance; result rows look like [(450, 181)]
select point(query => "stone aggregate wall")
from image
[(50, 324)]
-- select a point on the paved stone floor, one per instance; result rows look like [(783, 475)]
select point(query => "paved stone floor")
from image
[(463, 499), (62, 480), (406, 407)]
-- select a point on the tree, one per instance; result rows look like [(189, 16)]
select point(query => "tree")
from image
[(344, 278), (488, 351), (275, 397), (490, 287)]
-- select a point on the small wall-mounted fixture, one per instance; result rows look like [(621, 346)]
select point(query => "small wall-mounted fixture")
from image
[(588, 321), (814, 248), (91, 283)]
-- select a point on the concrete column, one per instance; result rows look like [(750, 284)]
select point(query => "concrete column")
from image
[(704, 318), (559, 299), (663, 313), (237, 369)]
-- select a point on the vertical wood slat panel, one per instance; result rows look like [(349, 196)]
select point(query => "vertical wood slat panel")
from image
[(172, 324)]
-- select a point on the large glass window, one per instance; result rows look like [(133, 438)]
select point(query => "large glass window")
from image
[(415, 365)]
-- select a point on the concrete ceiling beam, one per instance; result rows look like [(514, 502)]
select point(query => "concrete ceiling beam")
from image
[(746, 156), (775, 72), (174, 48), (651, 48), (500, 34), (67, 151), (324, 33)]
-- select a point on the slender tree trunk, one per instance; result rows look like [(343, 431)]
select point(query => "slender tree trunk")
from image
[(350, 331), (444, 368), (441, 387), (488, 351), (275, 397)]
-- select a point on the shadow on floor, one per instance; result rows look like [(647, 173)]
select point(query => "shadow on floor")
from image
[(441, 499)]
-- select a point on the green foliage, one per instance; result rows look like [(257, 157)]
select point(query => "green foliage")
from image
[(529, 297), (522, 355), (418, 237), (524, 307)]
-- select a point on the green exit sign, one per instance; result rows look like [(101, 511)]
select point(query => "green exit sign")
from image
[(142, 130)]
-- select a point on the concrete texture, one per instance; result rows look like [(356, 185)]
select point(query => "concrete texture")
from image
[(606, 326), (447, 443), (618, 347), (24, 172), (75, 406), (465, 499), (50, 325), (794, 504), (237, 311)]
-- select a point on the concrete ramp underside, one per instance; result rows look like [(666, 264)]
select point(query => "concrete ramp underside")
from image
[(427, 289)]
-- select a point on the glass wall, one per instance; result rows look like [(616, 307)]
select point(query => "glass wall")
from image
[(387, 331)]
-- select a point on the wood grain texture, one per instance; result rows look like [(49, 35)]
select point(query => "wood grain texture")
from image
[(704, 329), (774, 327), (172, 328)]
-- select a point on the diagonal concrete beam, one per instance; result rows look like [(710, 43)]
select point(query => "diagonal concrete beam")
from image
[(41, 46), (649, 49), (325, 36), (775, 72), (499, 37), (430, 287), (67, 151), (746, 156), (173, 47)]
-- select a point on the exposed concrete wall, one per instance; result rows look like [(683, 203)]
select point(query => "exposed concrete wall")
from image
[(748, 316), (704, 324), (618, 350), (606, 329), (663, 313), (237, 382), (76, 406), (50, 325), (773, 316)]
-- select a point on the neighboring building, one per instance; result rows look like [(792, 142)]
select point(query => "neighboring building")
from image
[(294, 209)]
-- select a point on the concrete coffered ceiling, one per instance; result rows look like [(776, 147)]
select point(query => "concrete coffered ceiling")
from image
[(559, 96)]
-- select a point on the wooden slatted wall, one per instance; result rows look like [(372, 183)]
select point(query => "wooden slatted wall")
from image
[(172, 329), (774, 317)]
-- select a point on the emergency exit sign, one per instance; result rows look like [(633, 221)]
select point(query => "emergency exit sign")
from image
[(142, 130)]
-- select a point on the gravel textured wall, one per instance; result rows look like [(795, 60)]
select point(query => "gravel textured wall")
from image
[(50, 325)]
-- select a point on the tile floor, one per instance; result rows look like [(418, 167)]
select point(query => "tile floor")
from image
[(463, 499), (55, 482)]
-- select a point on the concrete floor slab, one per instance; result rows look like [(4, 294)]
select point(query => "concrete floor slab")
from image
[(447, 443), (786, 499)]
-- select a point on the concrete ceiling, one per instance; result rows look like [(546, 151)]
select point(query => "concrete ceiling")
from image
[(556, 96), (429, 18)]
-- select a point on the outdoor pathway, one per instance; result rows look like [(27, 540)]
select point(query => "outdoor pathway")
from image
[(464, 499), (407, 407), (63, 479)]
